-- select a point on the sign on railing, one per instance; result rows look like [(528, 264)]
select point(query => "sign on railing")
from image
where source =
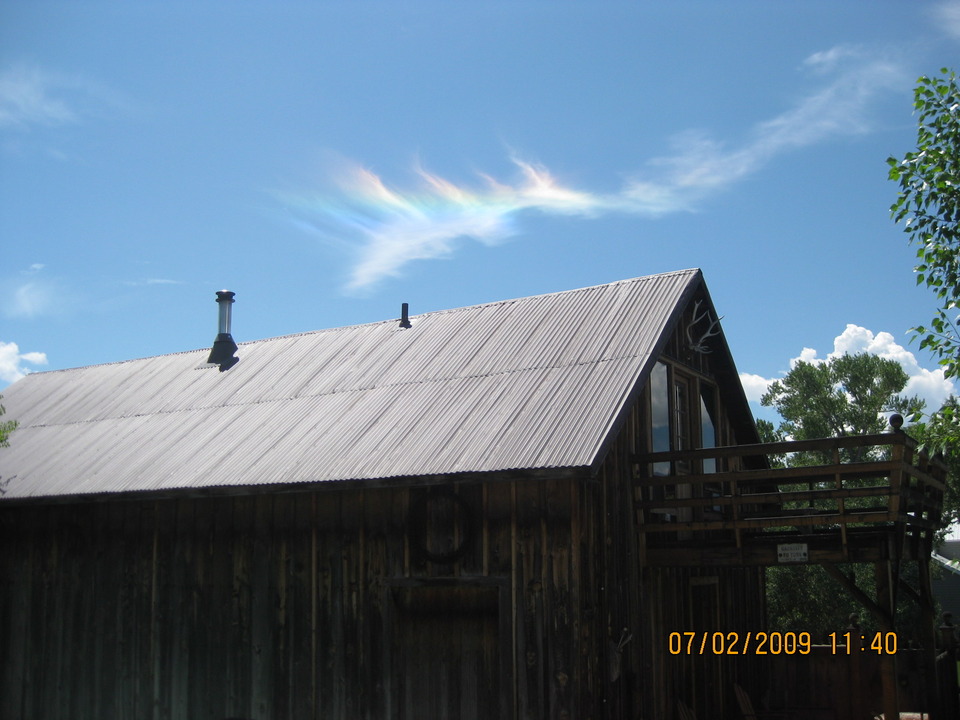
[(792, 553)]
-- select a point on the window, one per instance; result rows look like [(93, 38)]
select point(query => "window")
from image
[(660, 415), (684, 415), (681, 413), (708, 423)]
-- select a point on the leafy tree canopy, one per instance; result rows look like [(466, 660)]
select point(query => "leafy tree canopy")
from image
[(6, 427), (929, 204), (845, 395)]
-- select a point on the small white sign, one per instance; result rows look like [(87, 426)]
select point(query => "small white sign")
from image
[(792, 553)]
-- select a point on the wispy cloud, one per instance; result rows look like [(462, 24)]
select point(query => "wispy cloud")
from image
[(947, 15), (151, 281), (929, 385), (13, 362), (388, 227), (29, 294), (29, 95), (837, 108), (32, 96), (29, 300)]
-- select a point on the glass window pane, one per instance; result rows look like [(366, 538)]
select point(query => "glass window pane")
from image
[(708, 424), (660, 415)]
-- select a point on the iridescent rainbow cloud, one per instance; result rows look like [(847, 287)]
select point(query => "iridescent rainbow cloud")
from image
[(391, 228)]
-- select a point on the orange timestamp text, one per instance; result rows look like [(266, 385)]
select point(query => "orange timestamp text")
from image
[(737, 643), (777, 643), (849, 643)]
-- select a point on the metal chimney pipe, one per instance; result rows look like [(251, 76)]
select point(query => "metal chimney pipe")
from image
[(405, 315), (222, 352), (225, 302)]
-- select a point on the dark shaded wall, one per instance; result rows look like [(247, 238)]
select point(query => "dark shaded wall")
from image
[(307, 605)]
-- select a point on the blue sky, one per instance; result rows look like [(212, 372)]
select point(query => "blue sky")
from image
[(328, 161)]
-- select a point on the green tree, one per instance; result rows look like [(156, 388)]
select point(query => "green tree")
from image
[(929, 204), (940, 432), (845, 395), (6, 427)]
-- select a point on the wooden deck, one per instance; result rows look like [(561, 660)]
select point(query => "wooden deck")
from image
[(727, 506)]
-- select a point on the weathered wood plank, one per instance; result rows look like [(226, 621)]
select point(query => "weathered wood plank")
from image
[(471, 531), (18, 569), (298, 636), (562, 662), (241, 533), (263, 584), (200, 594), (532, 648), (377, 509), (329, 606)]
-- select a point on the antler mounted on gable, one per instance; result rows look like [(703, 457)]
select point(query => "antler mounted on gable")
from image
[(700, 345)]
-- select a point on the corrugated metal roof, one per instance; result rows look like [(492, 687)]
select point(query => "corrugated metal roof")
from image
[(524, 384)]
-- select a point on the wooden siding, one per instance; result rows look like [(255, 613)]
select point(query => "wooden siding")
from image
[(287, 606), (651, 602)]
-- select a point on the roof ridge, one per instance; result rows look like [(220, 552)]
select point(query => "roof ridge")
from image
[(491, 303), (342, 328)]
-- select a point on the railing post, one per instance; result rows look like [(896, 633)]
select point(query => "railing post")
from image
[(841, 505), (900, 456), (946, 668), (735, 464)]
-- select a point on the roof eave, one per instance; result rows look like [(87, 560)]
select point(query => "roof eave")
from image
[(492, 476)]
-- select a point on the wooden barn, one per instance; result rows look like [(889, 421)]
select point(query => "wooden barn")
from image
[(450, 515)]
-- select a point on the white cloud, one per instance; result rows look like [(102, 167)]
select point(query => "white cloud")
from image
[(31, 96), (12, 361), (390, 227), (837, 108), (29, 300), (806, 355), (152, 281), (754, 386), (929, 385), (28, 296), (947, 15), (827, 60)]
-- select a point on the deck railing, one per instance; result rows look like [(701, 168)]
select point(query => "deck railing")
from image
[(728, 493)]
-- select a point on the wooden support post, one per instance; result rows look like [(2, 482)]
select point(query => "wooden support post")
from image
[(855, 592), (856, 707), (886, 600), (928, 639), (882, 610), (946, 674)]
